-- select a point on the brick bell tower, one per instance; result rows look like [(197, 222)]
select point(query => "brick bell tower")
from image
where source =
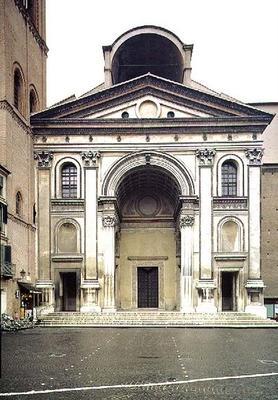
[(23, 54)]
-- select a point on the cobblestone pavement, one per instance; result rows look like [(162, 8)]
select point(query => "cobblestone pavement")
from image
[(54, 359)]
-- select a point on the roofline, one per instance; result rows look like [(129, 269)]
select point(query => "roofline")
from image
[(269, 103), (155, 77), (145, 27)]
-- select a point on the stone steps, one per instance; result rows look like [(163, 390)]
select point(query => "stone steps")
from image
[(155, 319)]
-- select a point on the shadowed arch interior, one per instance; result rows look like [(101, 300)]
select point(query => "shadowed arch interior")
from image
[(148, 180), (147, 52)]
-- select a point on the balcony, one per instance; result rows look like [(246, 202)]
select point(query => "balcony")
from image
[(7, 270)]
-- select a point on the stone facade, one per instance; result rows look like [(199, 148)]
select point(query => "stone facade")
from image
[(149, 190), (22, 86)]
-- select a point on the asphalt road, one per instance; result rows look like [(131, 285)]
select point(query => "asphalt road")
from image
[(148, 363)]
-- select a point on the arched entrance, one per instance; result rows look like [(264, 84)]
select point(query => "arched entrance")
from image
[(147, 188)]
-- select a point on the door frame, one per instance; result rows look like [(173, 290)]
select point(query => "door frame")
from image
[(148, 261), (235, 289), (58, 298)]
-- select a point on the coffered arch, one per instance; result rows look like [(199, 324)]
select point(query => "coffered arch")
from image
[(158, 160)]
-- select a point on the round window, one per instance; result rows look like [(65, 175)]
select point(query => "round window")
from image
[(125, 115), (170, 114)]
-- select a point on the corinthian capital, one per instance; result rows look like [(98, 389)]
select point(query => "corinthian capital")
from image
[(90, 158), (44, 158), (254, 156), (186, 220), (109, 221), (206, 156)]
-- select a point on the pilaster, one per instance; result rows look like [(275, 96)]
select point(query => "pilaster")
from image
[(254, 285), (186, 222), (206, 159), (44, 159), (109, 222), (90, 164)]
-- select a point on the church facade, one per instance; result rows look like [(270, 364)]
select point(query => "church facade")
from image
[(148, 189)]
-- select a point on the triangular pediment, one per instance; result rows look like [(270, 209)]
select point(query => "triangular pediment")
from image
[(149, 96)]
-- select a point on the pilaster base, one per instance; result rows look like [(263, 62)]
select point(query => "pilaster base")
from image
[(187, 310), (90, 309), (90, 297), (258, 310), (47, 288), (109, 310), (207, 308)]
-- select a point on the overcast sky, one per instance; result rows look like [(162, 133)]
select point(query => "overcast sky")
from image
[(235, 42)]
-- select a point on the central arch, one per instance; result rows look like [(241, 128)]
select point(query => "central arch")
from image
[(148, 187), (169, 164)]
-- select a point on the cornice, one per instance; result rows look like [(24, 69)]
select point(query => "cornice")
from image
[(32, 27), (5, 105), (20, 221), (149, 126)]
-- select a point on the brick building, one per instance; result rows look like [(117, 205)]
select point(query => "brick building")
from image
[(23, 55)]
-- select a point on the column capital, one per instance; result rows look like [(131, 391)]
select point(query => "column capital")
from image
[(186, 221), (44, 158), (109, 221), (206, 156), (254, 155), (90, 158)]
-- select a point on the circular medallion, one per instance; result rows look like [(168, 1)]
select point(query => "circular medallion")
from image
[(148, 109), (148, 206)]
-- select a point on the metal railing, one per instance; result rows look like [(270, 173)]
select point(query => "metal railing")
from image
[(7, 270)]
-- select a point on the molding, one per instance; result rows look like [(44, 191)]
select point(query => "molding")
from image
[(67, 258), (171, 165), (255, 284), (16, 116), (230, 257), (231, 203), (4, 170), (32, 27), (146, 258), (20, 221), (205, 284)]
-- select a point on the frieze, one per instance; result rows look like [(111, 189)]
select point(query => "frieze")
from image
[(67, 205), (186, 221), (254, 155), (90, 158), (109, 221), (44, 158), (239, 203), (206, 156)]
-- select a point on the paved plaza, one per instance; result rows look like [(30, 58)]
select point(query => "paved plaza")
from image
[(158, 363)]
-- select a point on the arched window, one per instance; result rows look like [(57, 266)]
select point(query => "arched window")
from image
[(18, 90), (229, 178), (69, 181), (67, 238), (33, 101), (18, 204), (230, 240)]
